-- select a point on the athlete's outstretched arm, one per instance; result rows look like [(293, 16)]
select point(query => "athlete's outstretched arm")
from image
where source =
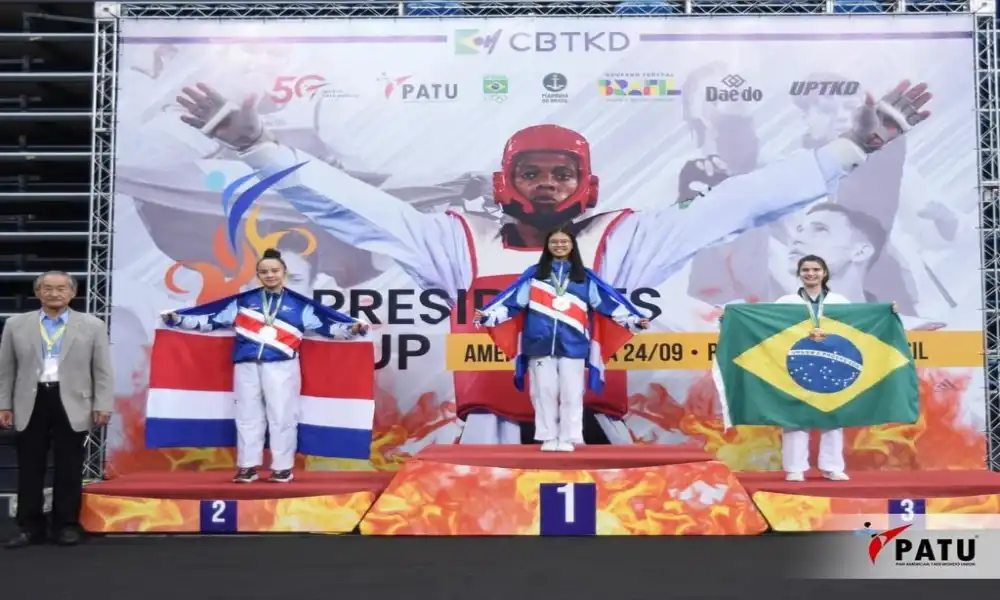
[(432, 248), (222, 319), (644, 250)]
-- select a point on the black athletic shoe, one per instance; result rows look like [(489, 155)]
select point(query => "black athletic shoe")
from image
[(246, 475), (281, 476)]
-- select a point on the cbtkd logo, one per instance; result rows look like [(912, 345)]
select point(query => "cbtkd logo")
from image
[(293, 86), (472, 41), (824, 88), (570, 41), (735, 90), (405, 90)]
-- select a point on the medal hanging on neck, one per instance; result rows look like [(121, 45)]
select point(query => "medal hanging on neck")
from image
[(269, 332), (561, 302), (815, 314)]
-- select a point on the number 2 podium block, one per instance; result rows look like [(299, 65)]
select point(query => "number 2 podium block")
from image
[(567, 509), (219, 516)]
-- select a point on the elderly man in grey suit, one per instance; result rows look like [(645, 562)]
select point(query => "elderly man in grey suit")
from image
[(55, 384)]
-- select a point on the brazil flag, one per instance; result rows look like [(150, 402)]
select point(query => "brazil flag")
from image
[(770, 372)]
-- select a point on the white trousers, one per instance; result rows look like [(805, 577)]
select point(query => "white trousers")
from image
[(795, 450), (267, 399), (556, 386)]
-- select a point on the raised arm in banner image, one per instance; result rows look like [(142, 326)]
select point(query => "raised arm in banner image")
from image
[(546, 182), (558, 320), (270, 323)]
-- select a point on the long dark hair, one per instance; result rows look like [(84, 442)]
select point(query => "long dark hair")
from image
[(576, 272), (820, 262)]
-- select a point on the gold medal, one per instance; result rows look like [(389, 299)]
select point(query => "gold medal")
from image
[(269, 333), (561, 304)]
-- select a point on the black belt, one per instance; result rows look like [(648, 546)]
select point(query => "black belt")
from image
[(48, 385)]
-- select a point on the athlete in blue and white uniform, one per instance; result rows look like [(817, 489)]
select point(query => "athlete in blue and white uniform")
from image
[(269, 323)]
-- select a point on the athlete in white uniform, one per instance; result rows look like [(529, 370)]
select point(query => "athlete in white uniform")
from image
[(814, 293)]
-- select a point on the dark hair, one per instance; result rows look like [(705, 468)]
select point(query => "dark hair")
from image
[(822, 263), (870, 227), (271, 254), (576, 271)]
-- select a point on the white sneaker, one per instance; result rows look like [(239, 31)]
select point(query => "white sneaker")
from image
[(565, 447), (836, 476), (795, 477), (550, 446)]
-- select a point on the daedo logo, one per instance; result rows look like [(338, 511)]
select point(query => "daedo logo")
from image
[(474, 41), (404, 89), (735, 90)]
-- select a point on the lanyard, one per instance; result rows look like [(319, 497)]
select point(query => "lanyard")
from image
[(50, 342), (560, 286), (270, 316), (815, 315)]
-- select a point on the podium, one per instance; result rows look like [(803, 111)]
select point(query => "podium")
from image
[(597, 490)]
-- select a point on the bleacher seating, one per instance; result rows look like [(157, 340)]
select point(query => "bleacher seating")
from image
[(46, 59)]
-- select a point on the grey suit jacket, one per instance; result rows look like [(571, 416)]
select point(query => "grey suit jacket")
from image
[(86, 383)]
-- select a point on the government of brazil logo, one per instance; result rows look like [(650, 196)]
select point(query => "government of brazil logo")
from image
[(825, 367)]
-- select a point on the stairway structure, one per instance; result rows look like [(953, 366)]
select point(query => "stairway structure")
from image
[(46, 99)]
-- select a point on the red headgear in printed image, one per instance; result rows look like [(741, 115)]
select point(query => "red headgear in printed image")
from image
[(549, 207)]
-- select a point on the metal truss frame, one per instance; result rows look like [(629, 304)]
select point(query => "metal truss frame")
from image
[(109, 14)]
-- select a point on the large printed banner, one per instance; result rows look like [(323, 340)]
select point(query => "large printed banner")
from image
[(380, 193)]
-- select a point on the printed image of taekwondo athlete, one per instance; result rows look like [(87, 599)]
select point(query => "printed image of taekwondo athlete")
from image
[(165, 170), (546, 181), (727, 136), (850, 242)]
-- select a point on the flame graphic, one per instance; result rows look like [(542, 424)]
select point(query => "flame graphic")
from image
[(938, 440), (327, 514), (231, 270), (433, 498)]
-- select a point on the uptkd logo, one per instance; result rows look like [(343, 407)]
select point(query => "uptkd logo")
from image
[(735, 90), (407, 91), (940, 552), (824, 88)]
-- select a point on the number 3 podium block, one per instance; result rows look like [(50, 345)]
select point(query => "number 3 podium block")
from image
[(597, 490)]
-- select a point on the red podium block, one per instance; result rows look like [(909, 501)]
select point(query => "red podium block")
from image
[(495, 490), (209, 502)]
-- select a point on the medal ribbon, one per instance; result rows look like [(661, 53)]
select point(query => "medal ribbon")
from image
[(561, 286), (815, 315), (50, 342), (270, 316)]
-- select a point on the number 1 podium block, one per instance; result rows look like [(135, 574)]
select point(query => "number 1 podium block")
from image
[(597, 490), (567, 509)]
